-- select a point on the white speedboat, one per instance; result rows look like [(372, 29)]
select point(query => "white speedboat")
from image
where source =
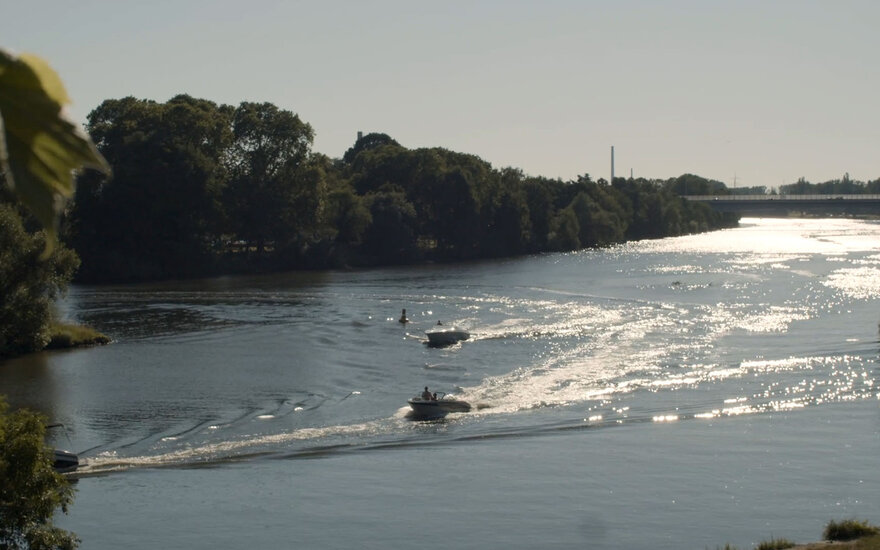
[(63, 461), (437, 408), (442, 335)]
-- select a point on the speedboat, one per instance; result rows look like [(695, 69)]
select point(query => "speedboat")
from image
[(63, 461), (437, 408), (441, 335)]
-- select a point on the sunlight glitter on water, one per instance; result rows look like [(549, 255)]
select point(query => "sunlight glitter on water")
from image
[(858, 283), (773, 319), (616, 362), (783, 237), (601, 370)]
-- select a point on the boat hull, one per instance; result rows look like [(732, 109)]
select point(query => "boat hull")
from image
[(437, 408), (64, 461), (446, 336)]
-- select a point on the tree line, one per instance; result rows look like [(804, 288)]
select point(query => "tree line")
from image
[(690, 184), (199, 188), (839, 186)]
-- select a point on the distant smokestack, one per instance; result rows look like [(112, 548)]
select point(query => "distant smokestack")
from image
[(612, 165)]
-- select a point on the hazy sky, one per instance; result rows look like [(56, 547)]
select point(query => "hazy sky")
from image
[(767, 91)]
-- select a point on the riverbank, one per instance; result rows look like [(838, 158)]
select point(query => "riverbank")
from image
[(850, 534), (63, 336), (67, 336), (854, 541), (868, 543)]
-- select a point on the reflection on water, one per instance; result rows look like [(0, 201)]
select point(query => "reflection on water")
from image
[(31, 382)]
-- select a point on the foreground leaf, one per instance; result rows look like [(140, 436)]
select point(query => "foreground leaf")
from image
[(39, 146)]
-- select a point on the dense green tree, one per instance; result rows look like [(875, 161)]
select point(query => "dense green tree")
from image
[(841, 186), (303, 214), (392, 237), (649, 204), (565, 192), (160, 212), (508, 229), (348, 216), (753, 190), (539, 198), (801, 187), (344, 215), (273, 195), (697, 217), (564, 231), (689, 184), (29, 284), (383, 165), (454, 212), (367, 142), (593, 226), (30, 490), (649, 215)]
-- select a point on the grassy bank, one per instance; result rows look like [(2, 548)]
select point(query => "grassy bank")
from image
[(866, 543), (73, 336), (849, 534)]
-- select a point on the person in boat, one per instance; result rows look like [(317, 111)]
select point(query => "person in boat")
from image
[(403, 318), (426, 395), (439, 323)]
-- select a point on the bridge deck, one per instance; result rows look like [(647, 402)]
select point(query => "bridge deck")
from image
[(782, 205)]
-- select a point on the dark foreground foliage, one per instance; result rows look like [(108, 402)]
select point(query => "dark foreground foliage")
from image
[(30, 490), (29, 283)]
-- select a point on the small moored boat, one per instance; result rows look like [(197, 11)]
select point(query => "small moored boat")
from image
[(437, 408)]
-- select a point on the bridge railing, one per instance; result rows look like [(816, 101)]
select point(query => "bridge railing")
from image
[(732, 198)]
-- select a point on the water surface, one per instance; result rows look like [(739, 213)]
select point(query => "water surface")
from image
[(676, 393)]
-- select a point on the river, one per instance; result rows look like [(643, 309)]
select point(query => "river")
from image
[(676, 393)]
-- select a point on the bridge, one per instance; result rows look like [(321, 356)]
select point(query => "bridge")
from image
[(785, 205)]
